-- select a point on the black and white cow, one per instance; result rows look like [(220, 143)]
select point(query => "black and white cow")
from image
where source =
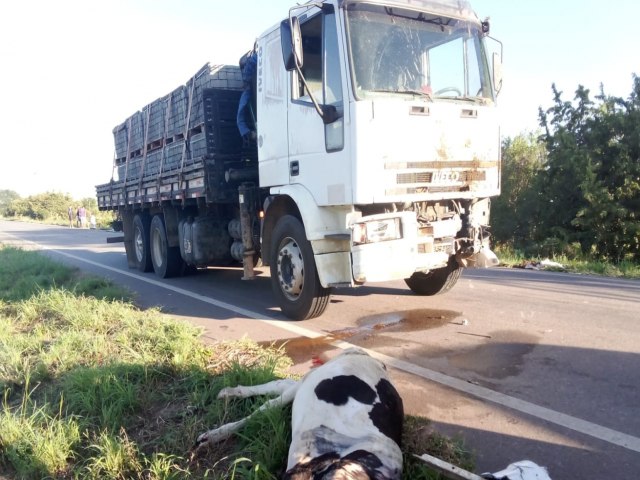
[(346, 420)]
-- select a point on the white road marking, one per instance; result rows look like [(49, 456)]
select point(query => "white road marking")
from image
[(573, 423)]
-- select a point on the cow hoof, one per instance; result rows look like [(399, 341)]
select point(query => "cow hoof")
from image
[(213, 436), (202, 439), (228, 392)]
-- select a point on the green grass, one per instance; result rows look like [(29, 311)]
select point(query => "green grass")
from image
[(94, 388), (23, 274), (625, 269)]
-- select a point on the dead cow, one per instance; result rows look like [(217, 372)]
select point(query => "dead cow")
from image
[(346, 420)]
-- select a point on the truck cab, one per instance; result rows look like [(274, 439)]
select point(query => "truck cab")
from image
[(379, 142)]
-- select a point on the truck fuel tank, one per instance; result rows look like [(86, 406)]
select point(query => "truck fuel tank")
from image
[(205, 241)]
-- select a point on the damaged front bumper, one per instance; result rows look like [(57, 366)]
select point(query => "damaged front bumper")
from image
[(393, 246)]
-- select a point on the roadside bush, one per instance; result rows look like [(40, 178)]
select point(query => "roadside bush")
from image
[(49, 206)]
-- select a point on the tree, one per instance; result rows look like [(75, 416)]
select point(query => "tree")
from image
[(513, 213), (566, 130), (90, 203), (43, 206), (612, 186), (6, 197), (591, 182)]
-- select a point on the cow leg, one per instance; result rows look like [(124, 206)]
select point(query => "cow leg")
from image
[(225, 431), (277, 387)]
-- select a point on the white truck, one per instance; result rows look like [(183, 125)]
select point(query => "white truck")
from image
[(377, 149)]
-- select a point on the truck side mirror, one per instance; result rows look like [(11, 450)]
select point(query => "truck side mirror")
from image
[(330, 114), (291, 43), (494, 54), (497, 72)]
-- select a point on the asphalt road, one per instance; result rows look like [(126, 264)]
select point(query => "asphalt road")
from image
[(520, 364)]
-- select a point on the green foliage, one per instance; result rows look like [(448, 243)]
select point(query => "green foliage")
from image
[(585, 189), (51, 207), (90, 203), (44, 206), (593, 173), (523, 158), (6, 197)]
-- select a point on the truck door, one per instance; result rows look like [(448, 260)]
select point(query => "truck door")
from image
[(318, 153), (273, 101)]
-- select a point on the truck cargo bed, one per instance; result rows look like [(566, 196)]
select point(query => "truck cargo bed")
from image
[(181, 145)]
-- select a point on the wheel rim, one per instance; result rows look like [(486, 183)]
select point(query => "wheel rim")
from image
[(157, 248), (139, 245), (290, 269)]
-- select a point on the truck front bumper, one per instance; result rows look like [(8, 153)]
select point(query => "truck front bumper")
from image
[(395, 259)]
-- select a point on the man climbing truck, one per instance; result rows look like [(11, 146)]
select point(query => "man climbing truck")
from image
[(371, 151)]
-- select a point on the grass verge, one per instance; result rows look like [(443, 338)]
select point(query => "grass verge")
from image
[(93, 388), (516, 259)]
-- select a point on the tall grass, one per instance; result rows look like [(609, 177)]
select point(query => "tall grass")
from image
[(115, 389), (22, 274), (511, 257), (35, 441)]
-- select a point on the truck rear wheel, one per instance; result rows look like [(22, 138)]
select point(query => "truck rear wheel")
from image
[(166, 260), (436, 281), (141, 243), (294, 277)]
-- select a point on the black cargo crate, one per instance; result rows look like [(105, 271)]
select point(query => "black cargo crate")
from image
[(155, 112), (220, 113), (192, 130)]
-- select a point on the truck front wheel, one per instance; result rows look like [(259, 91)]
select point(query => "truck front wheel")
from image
[(436, 281), (166, 260), (294, 277), (141, 243)]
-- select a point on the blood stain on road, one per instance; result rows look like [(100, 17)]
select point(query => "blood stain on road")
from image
[(302, 349)]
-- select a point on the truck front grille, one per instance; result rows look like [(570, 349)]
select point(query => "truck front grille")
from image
[(428, 177)]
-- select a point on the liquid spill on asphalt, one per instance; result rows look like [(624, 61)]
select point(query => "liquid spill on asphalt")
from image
[(500, 357), (302, 349), (408, 321)]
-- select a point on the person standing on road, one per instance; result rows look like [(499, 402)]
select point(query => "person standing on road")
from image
[(70, 213), (82, 216)]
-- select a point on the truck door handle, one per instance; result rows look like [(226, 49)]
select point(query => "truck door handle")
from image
[(294, 168)]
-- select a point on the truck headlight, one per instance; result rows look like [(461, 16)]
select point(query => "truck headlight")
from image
[(376, 231)]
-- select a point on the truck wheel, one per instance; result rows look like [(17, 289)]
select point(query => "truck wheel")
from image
[(166, 260), (294, 277), (141, 243), (436, 281)]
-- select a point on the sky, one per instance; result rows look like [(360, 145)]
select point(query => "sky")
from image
[(71, 70)]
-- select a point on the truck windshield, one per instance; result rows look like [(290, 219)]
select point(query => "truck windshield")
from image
[(398, 51)]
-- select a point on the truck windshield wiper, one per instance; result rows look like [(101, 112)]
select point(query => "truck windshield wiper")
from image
[(419, 93), (465, 98)]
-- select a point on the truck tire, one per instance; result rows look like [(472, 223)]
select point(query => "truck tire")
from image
[(436, 281), (141, 243), (294, 277), (166, 260)]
